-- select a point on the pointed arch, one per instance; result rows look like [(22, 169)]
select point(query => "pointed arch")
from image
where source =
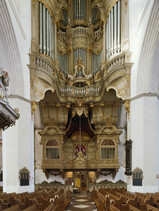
[(147, 71), (9, 52)]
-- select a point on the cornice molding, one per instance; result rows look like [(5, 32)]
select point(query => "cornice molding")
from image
[(145, 95), (19, 97)]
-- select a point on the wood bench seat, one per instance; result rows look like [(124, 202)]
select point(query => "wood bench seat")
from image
[(99, 200), (129, 207), (148, 207), (52, 207), (14, 208), (63, 201)]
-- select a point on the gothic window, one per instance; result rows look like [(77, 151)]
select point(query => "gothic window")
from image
[(52, 149), (137, 177), (24, 177), (108, 149)]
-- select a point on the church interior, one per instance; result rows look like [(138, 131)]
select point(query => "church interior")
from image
[(79, 104)]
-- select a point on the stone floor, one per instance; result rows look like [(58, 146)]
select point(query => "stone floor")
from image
[(81, 202)]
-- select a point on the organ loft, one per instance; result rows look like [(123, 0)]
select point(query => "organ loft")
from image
[(80, 89)]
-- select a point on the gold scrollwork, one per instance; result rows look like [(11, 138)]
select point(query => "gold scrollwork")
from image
[(127, 106)]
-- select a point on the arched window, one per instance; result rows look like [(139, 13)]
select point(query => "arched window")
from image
[(137, 177), (24, 175), (52, 149), (107, 149)]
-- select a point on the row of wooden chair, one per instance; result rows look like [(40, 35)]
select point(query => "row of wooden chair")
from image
[(42, 200), (122, 200)]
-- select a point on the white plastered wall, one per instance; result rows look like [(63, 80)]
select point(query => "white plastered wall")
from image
[(18, 149), (144, 134), (18, 144), (144, 106)]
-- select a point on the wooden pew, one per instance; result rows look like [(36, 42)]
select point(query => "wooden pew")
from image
[(129, 207), (6, 201), (154, 198), (147, 207), (45, 198), (99, 200), (144, 199), (30, 199), (127, 198), (117, 200), (35, 206), (14, 208), (113, 208), (63, 201), (54, 206)]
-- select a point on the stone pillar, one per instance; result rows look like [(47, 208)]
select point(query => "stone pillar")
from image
[(144, 129), (18, 149)]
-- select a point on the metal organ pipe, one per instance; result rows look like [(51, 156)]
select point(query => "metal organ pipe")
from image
[(51, 36), (107, 47), (40, 28), (52, 40), (48, 34), (118, 26), (109, 35), (115, 28), (44, 30), (113, 31)]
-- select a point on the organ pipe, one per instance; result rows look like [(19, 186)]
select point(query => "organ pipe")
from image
[(113, 31), (63, 62), (46, 32), (80, 53), (52, 40), (97, 60), (51, 34), (115, 28), (118, 26), (41, 29), (107, 47), (109, 36)]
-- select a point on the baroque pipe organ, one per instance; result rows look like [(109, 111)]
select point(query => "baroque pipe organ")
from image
[(80, 80)]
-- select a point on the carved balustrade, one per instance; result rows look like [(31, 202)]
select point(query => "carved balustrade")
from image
[(80, 91), (115, 62), (43, 63)]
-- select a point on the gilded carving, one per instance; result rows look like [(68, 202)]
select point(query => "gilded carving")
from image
[(127, 106), (79, 90), (33, 106)]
